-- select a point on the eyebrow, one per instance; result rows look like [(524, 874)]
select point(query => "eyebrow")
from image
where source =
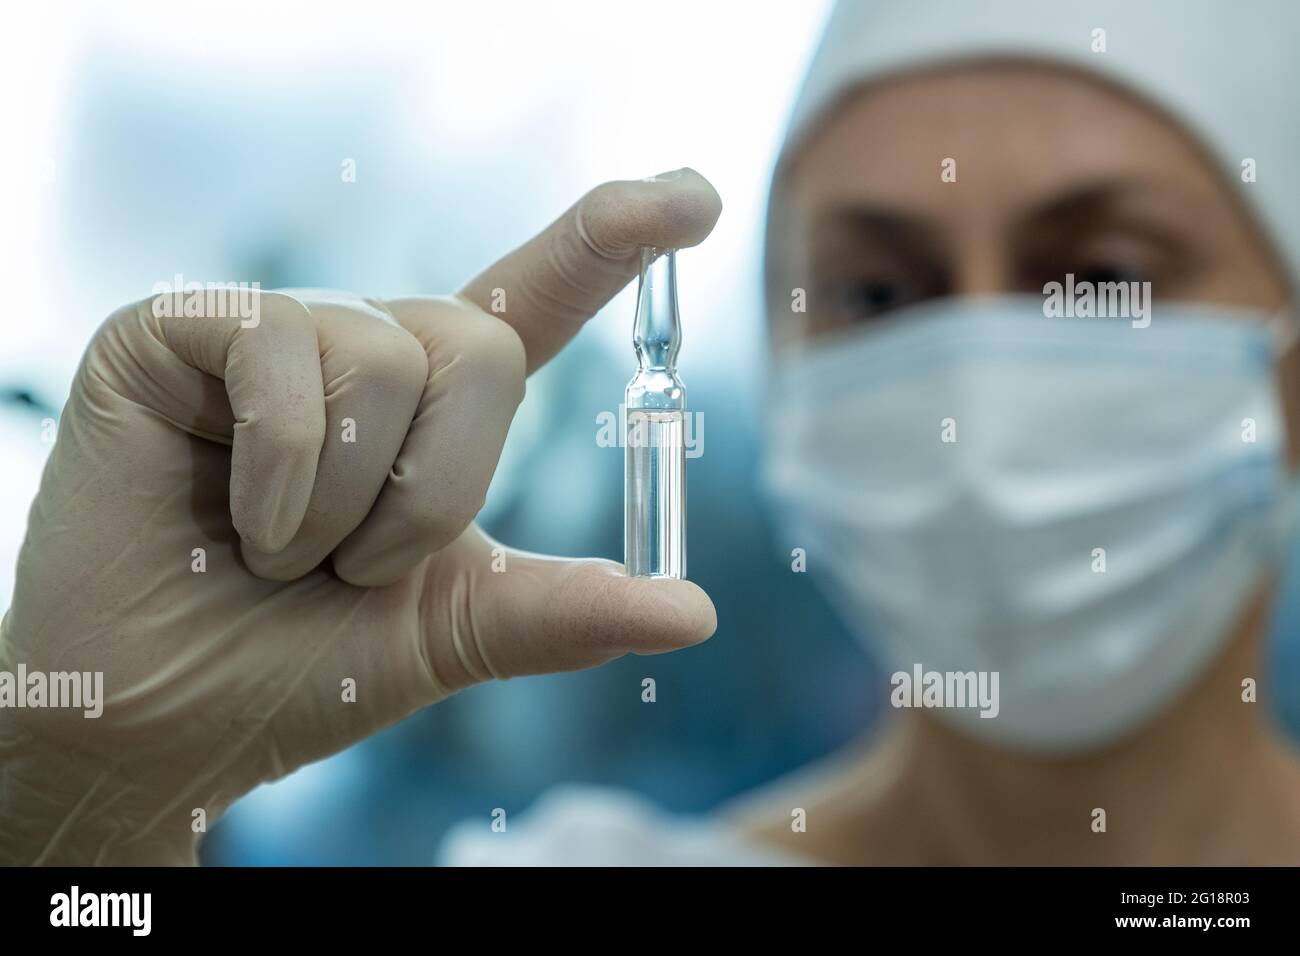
[(891, 226), (1090, 200), (1093, 200)]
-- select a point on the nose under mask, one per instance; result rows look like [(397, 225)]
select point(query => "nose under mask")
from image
[(1078, 505)]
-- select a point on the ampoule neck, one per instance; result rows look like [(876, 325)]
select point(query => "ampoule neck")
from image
[(657, 334)]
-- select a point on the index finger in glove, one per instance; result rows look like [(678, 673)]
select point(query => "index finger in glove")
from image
[(548, 287)]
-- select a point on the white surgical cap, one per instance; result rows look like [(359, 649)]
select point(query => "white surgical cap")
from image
[(1228, 71)]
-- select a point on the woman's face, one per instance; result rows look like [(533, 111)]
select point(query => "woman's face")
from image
[(1055, 173)]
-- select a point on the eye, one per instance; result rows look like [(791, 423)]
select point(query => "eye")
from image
[(866, 298), (1110, 258), (1113, 271)]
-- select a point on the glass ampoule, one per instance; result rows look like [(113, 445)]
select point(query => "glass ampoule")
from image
[(654, 538)]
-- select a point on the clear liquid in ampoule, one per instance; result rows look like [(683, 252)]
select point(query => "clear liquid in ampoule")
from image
[(655, 462)]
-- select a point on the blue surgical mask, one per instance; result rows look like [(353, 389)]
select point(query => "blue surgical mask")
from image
[(1082, 506)]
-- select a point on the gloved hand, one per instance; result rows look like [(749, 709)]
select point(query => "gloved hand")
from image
[(327, 561)]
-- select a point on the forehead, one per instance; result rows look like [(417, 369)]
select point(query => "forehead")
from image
[(1017, 133)]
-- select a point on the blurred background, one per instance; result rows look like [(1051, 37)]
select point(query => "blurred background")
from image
[(212, 140), (217, 141)]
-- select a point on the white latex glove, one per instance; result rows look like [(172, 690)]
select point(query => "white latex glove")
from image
[(326, 560)]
